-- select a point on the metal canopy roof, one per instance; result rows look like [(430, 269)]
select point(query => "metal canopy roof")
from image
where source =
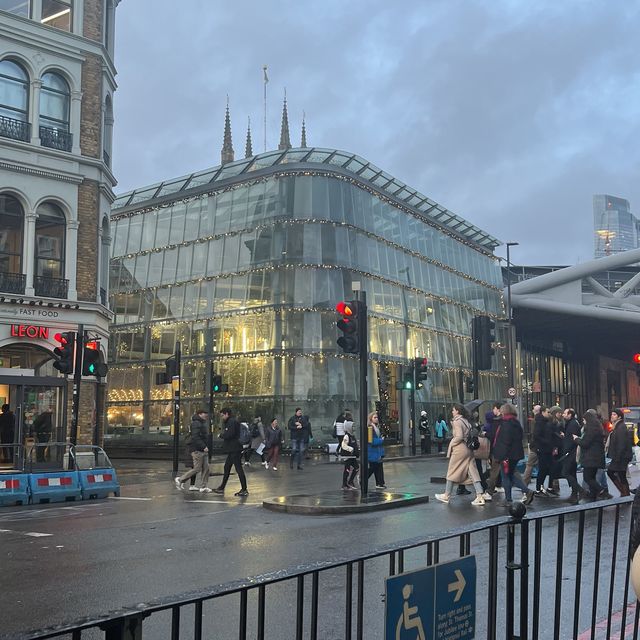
[(359, 167)]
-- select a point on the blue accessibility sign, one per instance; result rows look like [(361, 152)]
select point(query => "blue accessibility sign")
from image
[(434, 603)]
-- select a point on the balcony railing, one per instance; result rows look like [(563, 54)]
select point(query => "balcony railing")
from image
[(12, 282), (50, 287), (103, 297), (56, 138), (15, 129)]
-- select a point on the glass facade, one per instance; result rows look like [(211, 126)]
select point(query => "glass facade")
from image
[(246, 274)]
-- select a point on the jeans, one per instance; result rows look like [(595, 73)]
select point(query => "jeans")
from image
[(511, 479), (297, 451), (200, 465), (234, 459), (532, 461)]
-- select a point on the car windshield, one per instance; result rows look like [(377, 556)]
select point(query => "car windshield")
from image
[(631, 414)]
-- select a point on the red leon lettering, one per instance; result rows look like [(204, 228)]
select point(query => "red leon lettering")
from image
[(29, 331)]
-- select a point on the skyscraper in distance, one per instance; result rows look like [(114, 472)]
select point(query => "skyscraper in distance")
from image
[(615, 227)]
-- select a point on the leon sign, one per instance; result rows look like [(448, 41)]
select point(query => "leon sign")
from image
[(29, 331)]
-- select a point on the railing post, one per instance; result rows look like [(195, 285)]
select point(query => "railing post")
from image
[(125, 628), (517, 513)]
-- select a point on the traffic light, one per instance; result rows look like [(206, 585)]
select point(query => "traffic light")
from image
[(91, 365), (406, 384), (483, 334), (636, 359), (217, 386), (349, 341), (170, 371), (64, 352), (422, 373)]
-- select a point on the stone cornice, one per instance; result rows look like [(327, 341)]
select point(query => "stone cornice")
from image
[(43, 173)]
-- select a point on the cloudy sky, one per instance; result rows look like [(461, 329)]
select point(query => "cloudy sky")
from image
[(510, 113)]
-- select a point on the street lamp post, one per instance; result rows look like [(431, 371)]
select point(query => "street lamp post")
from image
[(510, 349)]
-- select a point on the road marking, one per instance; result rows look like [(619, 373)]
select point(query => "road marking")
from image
[(31, 534), (126, 498)]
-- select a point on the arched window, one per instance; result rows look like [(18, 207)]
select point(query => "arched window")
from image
[(14, 101), (55, 101), (50, 235), (12, 279)]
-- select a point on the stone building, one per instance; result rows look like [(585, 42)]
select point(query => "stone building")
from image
[(57, 81)]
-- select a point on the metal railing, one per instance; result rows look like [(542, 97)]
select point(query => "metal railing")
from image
[(573, 565), (56, 138), (50, 287), (12, 282), (15, 129), (104, 299), (106, 157)]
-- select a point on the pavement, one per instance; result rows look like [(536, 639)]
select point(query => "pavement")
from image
[(62, 562)]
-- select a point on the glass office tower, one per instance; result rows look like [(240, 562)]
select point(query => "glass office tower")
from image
[(243, 265)]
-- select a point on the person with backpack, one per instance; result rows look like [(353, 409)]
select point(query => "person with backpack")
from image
[(257, 438), (273, 444), (350, 452), (299, 430), (197, 446), (232, 436), (462, 464)]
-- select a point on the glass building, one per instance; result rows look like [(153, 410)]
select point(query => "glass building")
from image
[(615, 227), (243, 265)]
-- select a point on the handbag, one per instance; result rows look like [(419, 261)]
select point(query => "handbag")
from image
[(484, 449), (472, 440)]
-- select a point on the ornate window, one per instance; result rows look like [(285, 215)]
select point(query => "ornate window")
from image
[(17, 7), (55, 99), (11, 233), (57, 13), (14, 101), (50, 241)]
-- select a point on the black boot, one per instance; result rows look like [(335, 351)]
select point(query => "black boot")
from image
[(462, 491)]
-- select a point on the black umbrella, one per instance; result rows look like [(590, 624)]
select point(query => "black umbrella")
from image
[(473, 404)]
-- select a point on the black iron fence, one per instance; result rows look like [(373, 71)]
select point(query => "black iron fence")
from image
[(50, 287), (558, 574), (15, 129), (12, 282), (56, 138)]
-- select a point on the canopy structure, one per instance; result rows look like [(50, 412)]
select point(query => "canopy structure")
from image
[(290, 159), (572, 304)]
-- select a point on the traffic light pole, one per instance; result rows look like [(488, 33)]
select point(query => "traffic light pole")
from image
[(364, 363), (412, 410), (474, 353), (175, 386), (77, 379)]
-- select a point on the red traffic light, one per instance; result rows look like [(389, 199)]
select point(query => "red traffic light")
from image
[(92, 344), (636, 358), (346, 309), (60, 337)]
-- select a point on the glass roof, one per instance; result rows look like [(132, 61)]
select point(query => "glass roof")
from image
[(366, 171)]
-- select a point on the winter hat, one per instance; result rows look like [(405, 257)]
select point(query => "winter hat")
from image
[(555, 408)]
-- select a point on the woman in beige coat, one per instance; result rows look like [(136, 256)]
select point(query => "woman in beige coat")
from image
[(462, 464)]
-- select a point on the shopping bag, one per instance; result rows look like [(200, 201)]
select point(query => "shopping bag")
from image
[(260, 448)]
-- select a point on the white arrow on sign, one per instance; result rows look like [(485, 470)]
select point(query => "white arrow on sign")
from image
[(458, 585)]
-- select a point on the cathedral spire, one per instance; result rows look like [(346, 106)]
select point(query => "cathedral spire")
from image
[(248, 148), (303, 142), (227, 154), (285, 141)]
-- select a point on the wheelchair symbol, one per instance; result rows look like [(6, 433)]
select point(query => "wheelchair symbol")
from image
[(409, 619)]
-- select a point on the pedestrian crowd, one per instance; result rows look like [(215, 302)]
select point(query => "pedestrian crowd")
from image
[(485, 456)]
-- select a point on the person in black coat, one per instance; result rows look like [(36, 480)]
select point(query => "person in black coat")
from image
[(591, 452), (544, 445), (300, 431), (620, 451), (7, 432), (508, 451), (197, 446), (568, 455), (233, 448)]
